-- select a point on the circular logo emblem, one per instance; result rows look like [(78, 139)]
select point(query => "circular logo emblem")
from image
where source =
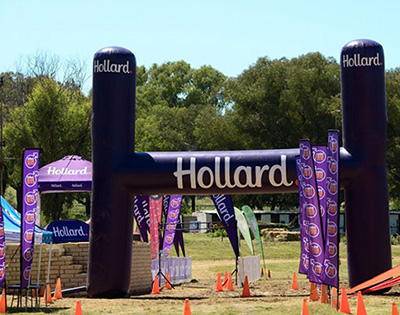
[(30, 217), (307, 172), (317, 268), (27, 273), (316, 249), (332, 250), (28, 236), (332, 228), (28, 255), (330, 270), (31, 160), (333, 166), (320, 174), (305, 152), (333, 144), (308, 191), (319, 156), (321, 192), (313, 230), (311, 211)]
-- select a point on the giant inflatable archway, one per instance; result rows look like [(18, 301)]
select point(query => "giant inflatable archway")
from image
[(119, 171)]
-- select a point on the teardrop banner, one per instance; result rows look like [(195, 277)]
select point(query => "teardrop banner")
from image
[(155, 208), (30, 173), (226, 212)]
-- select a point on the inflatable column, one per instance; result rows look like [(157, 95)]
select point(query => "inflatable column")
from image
[(114, 72), (364, 137)]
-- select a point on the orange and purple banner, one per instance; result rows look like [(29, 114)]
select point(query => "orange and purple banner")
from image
[(330, 275), (312, 212), (224, 206), (320, 169), (174, 208), (2, 251), (304, 223), (30, 173)]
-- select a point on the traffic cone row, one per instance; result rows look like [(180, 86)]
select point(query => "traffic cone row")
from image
[(229, 285)]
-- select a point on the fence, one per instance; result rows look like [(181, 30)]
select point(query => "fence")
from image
[(179, 269), (248, 266)]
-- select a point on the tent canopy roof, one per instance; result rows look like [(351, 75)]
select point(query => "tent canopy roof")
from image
[(70, 174)]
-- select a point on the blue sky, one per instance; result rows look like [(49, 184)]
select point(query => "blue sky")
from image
[(228, 35)]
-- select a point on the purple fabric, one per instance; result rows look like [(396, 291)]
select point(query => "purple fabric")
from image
[(140, 217), (71, 173), (180, 238), (2, 251), (330, 275), (172, 221), (30, 197), (311, 205), (226, 212), (146, 211), (304, 239), (321, 168)]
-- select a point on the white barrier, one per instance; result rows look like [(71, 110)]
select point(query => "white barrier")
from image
[(179, 269), (249, 266)]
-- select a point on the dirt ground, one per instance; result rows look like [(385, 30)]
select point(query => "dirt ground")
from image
[(269, 296)]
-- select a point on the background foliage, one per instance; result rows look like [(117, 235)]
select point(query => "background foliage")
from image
[(272, 104)]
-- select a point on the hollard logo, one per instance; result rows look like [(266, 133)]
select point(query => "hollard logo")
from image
[(108, 66), (356, 60)]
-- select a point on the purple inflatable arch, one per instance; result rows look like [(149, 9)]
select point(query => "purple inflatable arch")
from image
[(119, 171)]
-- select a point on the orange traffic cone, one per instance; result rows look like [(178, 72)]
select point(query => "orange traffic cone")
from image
[(229, 287), (360, 305), (187, 310), (295, 285), (394, 309), (314, 292), (334, 298), (344, 303), (218, 287), (156, 287), (262, 272), (246, 289), (225, 283), (324, 295), (58, 291), (47, 296), (78, 308), (269, 274), (305, 310), (167, 285), (3, 303)]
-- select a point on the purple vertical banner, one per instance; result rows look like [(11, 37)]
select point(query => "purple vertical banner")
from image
[(165, 203), (172, 221), (311, 206), (146, 211), (226, 212), (140, 217), (330, 275), (2, 251), (304, 239), (320, 168), (179, 236), (30, 173), (164, 213)]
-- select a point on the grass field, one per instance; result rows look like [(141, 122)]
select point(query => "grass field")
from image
[(210, 256)]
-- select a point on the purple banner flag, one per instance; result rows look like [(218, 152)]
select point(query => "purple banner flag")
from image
[(226, 212), (165, 204), (140, 217), (2, 251), (330, 275), (304, 239), (30, 196), (172, 221), (311, 208), (146, 211), (320, 168)]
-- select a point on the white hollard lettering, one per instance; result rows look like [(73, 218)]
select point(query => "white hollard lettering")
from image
[(191, 172), (247, 171), (357, 61), (200, 177), (282, 169), (107, 66), (228, 172), (259, 174), (218, 173)]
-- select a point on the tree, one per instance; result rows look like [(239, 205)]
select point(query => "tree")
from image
[(55, 119)]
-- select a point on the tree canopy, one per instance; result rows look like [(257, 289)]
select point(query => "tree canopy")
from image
[(272, 104)]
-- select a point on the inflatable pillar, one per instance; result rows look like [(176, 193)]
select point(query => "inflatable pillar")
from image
[(113, 126), (364, 137)]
